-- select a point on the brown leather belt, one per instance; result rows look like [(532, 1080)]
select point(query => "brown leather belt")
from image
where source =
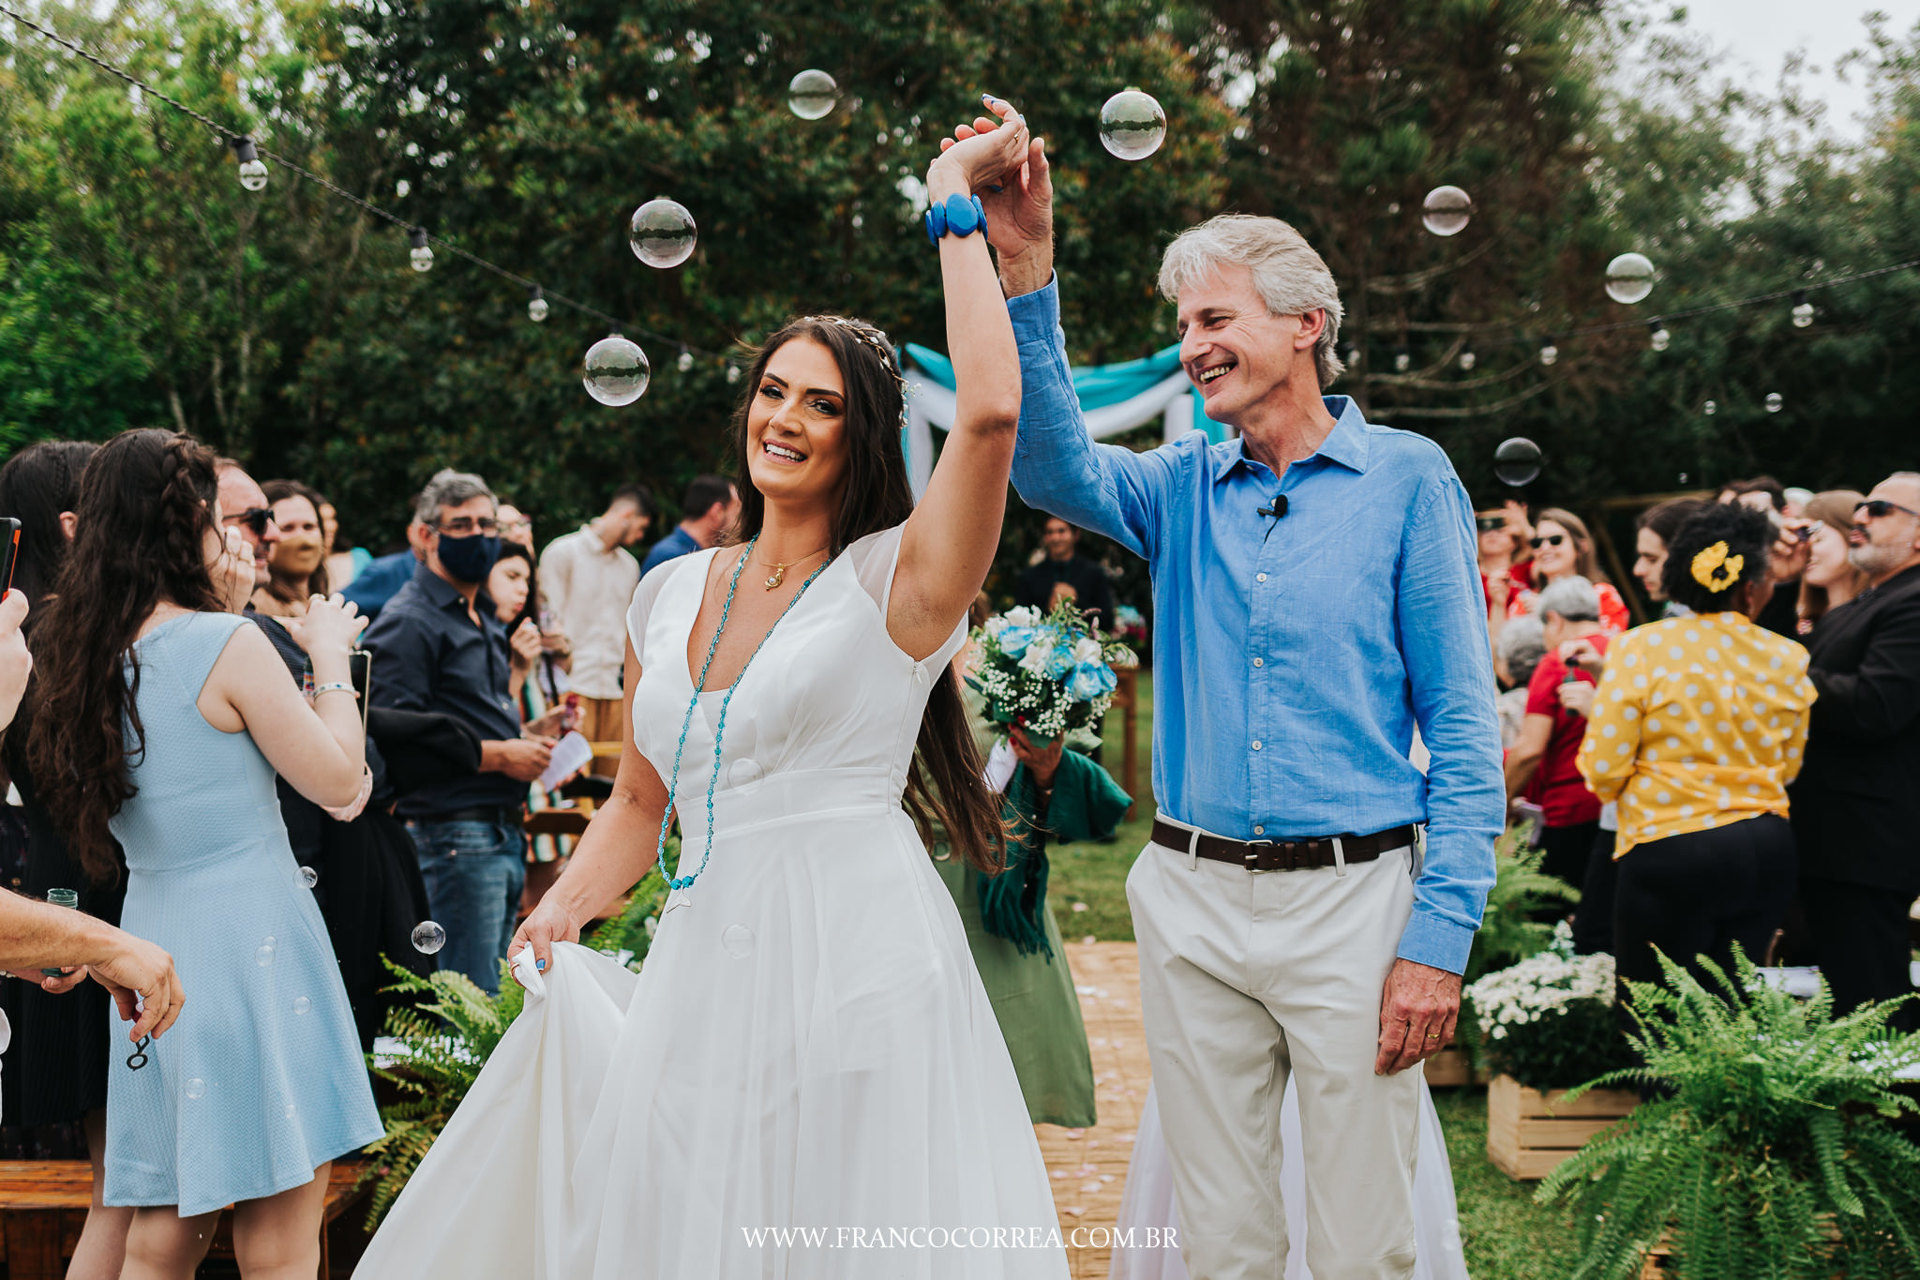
[(1282, 855)]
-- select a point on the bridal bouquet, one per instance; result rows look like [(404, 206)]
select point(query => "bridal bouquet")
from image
[(1048, 674)]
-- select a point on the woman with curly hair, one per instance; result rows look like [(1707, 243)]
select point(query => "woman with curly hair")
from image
[(162, 722), (1697, 727)]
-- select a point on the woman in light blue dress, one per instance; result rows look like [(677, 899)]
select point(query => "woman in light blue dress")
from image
[(164, 719)]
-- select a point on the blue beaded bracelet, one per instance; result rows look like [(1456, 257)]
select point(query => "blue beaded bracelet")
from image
[(957, 214)]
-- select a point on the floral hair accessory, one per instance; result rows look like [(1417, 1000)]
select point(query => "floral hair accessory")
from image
[(1715, 570)]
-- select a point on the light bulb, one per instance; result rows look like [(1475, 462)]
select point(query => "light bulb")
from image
[(536, 305), (733, 374), (253, 171), (1468, 360), (685, 363), (1660, 337), (421, 255), (1548, 352), (1802, 310), (1402, 360)]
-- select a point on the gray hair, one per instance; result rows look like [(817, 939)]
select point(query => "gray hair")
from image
[(1289, 276), (1573, 598), (449, 488), (1522, 644)]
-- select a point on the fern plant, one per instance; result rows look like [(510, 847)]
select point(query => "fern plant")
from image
[(1768, 1150), (1508, 931)]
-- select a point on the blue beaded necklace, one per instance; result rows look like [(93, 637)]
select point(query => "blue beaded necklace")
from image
[(679, 884)]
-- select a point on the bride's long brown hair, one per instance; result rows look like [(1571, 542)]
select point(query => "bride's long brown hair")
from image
[(945, 783), (146, 504)]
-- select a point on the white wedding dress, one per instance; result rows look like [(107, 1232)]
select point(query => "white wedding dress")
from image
[(810, 1045)]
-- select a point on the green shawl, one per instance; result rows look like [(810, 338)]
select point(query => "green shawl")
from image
[(1086, 805)]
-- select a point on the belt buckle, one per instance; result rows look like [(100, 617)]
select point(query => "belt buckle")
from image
[(1255, 850)]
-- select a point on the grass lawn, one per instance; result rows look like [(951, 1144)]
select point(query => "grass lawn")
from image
[(1507, 1236)]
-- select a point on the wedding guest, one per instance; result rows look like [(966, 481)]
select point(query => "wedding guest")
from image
[(516, 526), (343, 566), (708, 509), (1778, 613), (439, 647), (1523, 643), (163, 721), (1696, 729), (510, 584), (57, 1069), (296, 563), (1830, 579), (589, 577), (248, 513), (1856, 809), (1652, 532), (1540, 765), (1506, 562), (1281, 743), (1562, 548), (1063, 573)]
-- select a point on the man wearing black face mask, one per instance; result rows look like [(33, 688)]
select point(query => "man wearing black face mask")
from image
[(438, 647)]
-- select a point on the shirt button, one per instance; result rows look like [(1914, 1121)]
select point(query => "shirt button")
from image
[(1259, 662), (1256, 744), (1259, 577), (1259, 831)]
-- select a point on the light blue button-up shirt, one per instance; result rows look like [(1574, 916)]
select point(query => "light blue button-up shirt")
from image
[(1292, 657)]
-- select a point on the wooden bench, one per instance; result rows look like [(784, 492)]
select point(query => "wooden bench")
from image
[(43, 1205)]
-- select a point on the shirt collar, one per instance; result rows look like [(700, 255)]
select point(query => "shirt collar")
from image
[(441, 592), (1346, 444)]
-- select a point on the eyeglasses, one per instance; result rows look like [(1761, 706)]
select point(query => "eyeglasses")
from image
[(1878, 507), (1546, 540), (467, 526), (255, 518), (1487, 524)]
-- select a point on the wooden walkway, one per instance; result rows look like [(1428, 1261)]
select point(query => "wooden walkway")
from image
[(1089, 1166)]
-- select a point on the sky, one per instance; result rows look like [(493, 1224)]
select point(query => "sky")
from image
[(1758, 34)]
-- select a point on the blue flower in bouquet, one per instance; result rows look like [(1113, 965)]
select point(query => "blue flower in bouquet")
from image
[(1091, 680), (1015, 640)]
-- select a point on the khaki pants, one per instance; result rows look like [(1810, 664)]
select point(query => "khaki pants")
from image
[(1247, 977), (600, 721)]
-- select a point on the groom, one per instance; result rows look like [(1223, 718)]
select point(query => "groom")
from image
[(1316, 597)]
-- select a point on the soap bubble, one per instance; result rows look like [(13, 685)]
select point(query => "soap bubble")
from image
[(1132, 125), (196, 1088), (1709, 408), (309, 877), (662, 233), (738, 941), (1446, 210), (1774, 402), (428, 937), (291, 1111), (301, 1005), (1517, 461), (812, 95), (1629, 278), (616, 371), (264, 956)]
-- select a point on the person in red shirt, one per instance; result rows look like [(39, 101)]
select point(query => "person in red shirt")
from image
[(1563, 548), (1541, 765), (1506, 559)]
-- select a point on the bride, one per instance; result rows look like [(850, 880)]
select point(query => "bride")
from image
[(808, 1080)]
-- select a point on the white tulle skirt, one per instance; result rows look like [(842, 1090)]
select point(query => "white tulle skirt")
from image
[(1149, 1200)]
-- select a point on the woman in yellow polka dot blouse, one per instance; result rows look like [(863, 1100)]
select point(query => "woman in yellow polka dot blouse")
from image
[(1697, 727)]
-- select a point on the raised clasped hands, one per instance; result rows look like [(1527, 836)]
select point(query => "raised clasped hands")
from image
[(233, 572), (1008, 171)]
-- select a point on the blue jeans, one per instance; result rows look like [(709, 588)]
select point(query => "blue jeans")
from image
[(474, 873)]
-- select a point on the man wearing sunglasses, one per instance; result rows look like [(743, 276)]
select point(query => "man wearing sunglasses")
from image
[(1856, 806), (250, 515)]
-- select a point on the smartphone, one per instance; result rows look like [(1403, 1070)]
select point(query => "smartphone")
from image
[(10, 532)]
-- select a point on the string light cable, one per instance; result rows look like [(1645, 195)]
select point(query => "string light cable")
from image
[(247, 148)]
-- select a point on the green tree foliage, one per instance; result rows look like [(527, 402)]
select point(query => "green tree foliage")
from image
[(143, 286)]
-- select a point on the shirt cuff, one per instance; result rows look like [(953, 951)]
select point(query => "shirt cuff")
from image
[(1434, 941), (1036, 315)]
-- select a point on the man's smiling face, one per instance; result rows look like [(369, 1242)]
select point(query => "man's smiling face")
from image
[(1236, 352)]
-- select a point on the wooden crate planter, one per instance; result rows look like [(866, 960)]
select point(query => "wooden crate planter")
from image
[(1452, 1068), (1529, 1133)]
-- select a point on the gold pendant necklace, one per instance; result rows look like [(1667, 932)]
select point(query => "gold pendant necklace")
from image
[(779, 574)]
